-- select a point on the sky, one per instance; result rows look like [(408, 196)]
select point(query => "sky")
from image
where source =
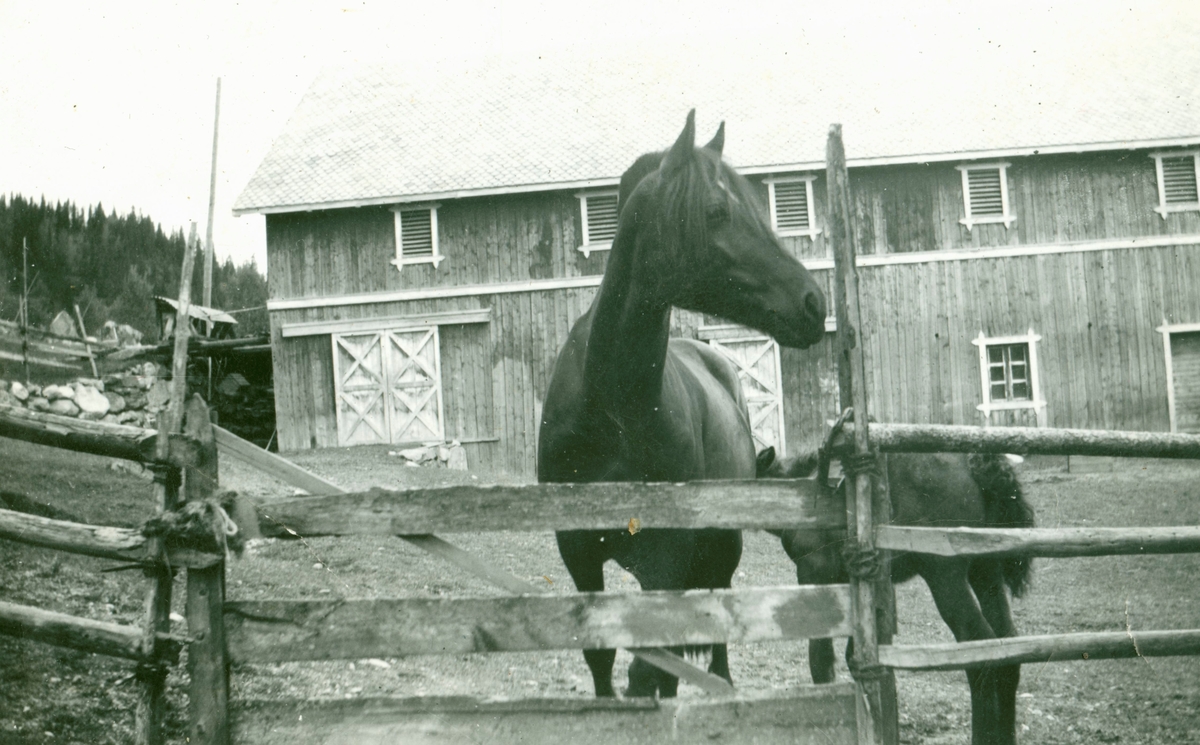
[(114, 102)]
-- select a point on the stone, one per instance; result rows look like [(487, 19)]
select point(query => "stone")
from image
[(64, 407), (57, 392), (134, 399), (3, 384), (93, 382), (91, 402), (158, 395), (37, 403), (20, 391), (458, 458), (130, 417), (116, 402), (8, 399)]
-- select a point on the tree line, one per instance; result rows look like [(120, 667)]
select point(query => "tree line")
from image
[(112, 266)]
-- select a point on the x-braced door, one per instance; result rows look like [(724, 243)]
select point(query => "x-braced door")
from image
[(388, 387), (359, 388), (757, 360), (414, 390)]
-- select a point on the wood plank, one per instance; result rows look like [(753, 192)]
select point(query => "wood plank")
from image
[(1049, 648), (771, 504), (208, 672), (272, 464), (84, 634), (392, 323), (119, 544), (280, 630), (934, 438), (97, 438), (1053, 542), (811, 715)]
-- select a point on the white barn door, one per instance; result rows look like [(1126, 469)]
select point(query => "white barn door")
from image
[(359, 389), (388, 387), (757, 360)]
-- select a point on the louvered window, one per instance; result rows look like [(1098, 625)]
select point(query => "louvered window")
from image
[(599, 213), (790, 201), (416, 236), (985, 194), (1177, 188)]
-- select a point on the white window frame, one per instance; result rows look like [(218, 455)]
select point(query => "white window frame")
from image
[(1163, 208), (1166, 329), (971, 221), (401, 260), (1035, 401), (589, 246), (813, 231)]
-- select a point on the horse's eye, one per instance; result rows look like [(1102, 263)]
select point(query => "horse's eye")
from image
[(718, 215)]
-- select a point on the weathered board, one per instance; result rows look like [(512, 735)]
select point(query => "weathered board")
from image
[(282, 630), (768, 504), (811, 715)]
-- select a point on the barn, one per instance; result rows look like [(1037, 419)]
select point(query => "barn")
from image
[(1029, 255)]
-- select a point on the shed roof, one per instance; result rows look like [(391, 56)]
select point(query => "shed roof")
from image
[(387, 134)]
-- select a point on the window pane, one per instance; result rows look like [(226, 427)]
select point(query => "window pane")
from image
[(1020, 391), (997, 372), (999, 393), (1018, 352), (996, 355)]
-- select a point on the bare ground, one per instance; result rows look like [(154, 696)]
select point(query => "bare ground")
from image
[(51, 695)]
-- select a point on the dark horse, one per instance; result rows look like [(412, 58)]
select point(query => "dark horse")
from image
[(626, 403), (936, 490)]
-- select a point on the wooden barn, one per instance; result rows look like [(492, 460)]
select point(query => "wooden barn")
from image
[(1029, 256)]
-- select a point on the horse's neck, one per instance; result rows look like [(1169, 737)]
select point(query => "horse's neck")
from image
[(627, 346)]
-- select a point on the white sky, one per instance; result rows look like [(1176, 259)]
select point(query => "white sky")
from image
[(113, 102)]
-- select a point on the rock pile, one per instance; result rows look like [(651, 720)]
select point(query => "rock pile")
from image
[(133, 397)]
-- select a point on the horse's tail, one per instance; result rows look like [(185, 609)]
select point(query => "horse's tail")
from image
[(1004, 507)]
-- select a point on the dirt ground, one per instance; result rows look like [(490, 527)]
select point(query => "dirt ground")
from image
[(51, 695)]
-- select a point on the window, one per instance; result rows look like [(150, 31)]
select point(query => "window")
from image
[(416, 236), (985, 194), (1177, 190), (1008, 372), (790, 202), (599, 211)]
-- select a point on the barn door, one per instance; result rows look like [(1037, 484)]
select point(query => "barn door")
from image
[(359, 388), (757, 360), (414, 385), (1185, 380), (388, 387)]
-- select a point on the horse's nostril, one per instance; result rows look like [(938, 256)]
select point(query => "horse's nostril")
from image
[(815, 304)]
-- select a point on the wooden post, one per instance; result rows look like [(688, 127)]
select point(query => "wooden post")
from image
[(25, 307), (86, 346), (877, 713), (208, 699), (208, 231), (149, 711)]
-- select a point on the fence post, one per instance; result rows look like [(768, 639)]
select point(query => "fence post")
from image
[(876, 700), (208, 698)]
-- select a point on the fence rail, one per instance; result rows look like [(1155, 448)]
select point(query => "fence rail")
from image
[(84, 634), (1049, 542)]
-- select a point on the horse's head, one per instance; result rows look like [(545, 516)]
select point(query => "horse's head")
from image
[(701, 234)]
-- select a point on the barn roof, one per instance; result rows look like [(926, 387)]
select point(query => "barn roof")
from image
[(380, 134)]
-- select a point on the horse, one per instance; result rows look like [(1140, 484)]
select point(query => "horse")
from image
[(628, 403), (946, 490)]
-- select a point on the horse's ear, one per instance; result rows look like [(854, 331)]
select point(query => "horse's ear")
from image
[(764, 461), (717, 143), (681, 151)]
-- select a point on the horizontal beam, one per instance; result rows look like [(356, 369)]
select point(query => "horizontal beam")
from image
[(810, 715), (104, 542), (84, 634), (770, 504), (97, 438), (277, 631), (942, 438), (1053, 542), (271, 464), (1050, 648), (394, 323)]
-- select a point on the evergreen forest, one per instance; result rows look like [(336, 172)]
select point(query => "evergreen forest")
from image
[(111, 265)]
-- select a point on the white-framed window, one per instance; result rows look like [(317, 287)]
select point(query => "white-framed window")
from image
[(598, 210), (1008, 373), (790, 204), (985, 194), (1177, 183), (416, 235)]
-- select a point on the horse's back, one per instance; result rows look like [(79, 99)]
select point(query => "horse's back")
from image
[(935, 489)]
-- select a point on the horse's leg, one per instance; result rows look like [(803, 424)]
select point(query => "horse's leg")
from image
[(951, 589), (821, 660), (987, 579), (585, 562)]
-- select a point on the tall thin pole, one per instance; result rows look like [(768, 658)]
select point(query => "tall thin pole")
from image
[(25, 306), (212, 196)]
